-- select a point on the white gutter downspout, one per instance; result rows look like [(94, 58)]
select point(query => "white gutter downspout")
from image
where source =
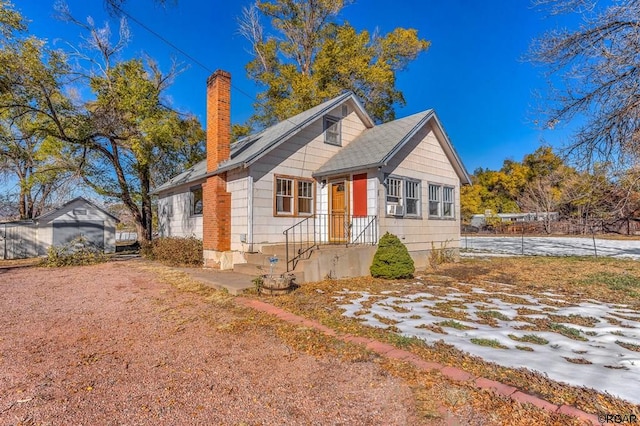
[(250, 212)]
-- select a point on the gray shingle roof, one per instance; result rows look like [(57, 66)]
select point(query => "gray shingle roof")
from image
[(255, 146), (247, 150), (192, 174), (374, 146), (83, 200)]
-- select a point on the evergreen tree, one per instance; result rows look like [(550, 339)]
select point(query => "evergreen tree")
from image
[(392, 259)]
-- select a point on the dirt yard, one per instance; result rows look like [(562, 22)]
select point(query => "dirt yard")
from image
[(115, 344)]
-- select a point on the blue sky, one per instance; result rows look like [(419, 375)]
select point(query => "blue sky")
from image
[(473, 74)]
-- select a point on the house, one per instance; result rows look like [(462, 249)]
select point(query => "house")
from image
[(78, 217), (328, 175), (480, 220)]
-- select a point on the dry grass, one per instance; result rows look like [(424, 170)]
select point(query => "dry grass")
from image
[(436, 397), (17, 263), (568, 277), (575, 278)]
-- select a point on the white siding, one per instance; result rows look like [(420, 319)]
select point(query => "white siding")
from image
[(174, 214), (422, 158), (23, 239), (238, 185), (296, 157), (372, 193), (68, 213)]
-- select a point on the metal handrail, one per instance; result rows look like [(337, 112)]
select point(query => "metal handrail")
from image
[(374, 230), (311, 232), (303, 246)]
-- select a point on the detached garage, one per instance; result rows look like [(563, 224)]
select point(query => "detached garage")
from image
[(77, 218)]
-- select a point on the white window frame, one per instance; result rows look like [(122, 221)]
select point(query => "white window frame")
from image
[(194, 208), (414, 193), (444, 196), (284, 190), (301, 195), (448, 202), (294, 193), (332, 130), (434, 197), (396, 191)]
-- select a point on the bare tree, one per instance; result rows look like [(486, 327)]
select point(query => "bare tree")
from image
[(117, 141), (594, 72), (114, 7), (543, 195)]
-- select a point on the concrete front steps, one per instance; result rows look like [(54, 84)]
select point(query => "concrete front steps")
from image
[(326, 261), (259, 263)]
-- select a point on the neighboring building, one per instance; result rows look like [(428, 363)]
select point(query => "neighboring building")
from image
[(78, 217), (327, 175), (480, 220)]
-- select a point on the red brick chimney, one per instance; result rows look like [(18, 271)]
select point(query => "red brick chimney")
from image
[(218, 118), (216, 217)]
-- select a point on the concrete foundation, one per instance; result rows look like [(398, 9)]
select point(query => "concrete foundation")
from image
[(327, 261), (223, 260), (337, 262)]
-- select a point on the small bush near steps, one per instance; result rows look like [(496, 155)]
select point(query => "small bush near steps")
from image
[(392, 259), (174, 251)]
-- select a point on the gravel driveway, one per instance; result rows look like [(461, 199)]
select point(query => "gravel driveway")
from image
[(113, 344)]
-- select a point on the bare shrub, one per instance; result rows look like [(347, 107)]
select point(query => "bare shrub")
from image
[(174, 251)]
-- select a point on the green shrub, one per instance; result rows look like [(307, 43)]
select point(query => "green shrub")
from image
[(174, 251), (392, 259), (77, 252)]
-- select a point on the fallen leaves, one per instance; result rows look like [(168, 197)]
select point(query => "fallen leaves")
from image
[(528, 276)]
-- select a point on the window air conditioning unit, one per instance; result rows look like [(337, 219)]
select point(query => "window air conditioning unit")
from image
[(395, 209)]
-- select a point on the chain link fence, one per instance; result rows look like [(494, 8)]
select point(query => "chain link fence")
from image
[(524, 245)]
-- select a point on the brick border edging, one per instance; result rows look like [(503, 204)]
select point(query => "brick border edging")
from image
[(454, 373)]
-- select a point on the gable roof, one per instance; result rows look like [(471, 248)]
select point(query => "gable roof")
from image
[(376, 146), (192, 174), (80, 199), (250, 149)]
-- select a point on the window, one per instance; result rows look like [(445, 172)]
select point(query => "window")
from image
[(196, 200), (412, 197), (294, 196), (332, 130), (441, 201), (394, 190), (403, 197), (447, 201), (305, 197), (434, 200), (284, 196)]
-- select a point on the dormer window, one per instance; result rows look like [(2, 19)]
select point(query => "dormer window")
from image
[(332, 134)]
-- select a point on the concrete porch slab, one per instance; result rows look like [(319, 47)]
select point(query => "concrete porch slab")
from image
[(234, 282)]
